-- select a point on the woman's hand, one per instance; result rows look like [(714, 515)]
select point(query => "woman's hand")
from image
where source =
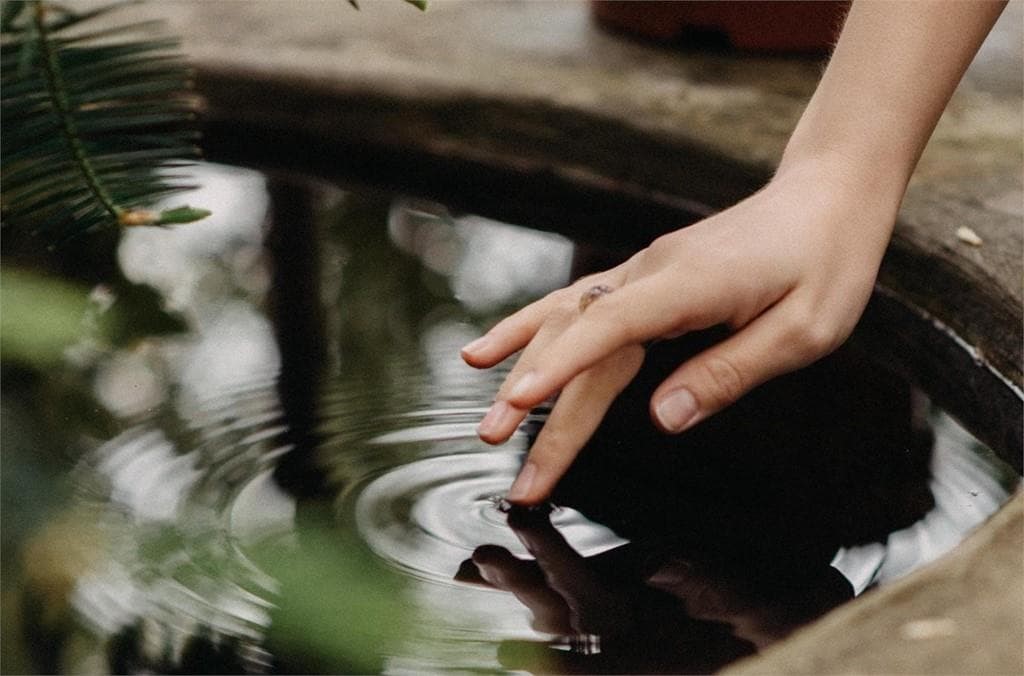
[(789, 269)]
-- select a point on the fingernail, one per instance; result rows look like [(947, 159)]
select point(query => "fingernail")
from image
[(521, 486), (476, 345), (493, 418), (677, 410), (523, 385)]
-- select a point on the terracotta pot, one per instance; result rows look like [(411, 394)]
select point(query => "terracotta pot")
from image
[(766, 26)]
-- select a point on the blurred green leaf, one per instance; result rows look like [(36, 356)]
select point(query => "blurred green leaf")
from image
[(339, 609), (185, 214), (39, 316)]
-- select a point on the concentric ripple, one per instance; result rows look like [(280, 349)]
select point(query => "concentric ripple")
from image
[(428, 516)]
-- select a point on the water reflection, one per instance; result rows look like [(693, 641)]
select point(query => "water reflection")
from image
[(632, 610), (297, 485)]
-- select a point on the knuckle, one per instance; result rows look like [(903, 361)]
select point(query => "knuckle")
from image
[(610, 322), (562, 313), (810, 333), (820, 338), (661, 246), (727, 381), (815, 339)]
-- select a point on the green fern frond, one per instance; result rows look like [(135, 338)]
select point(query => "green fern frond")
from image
[(92, 118)]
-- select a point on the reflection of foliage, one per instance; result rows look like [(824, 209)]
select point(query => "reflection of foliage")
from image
[(90, 116)]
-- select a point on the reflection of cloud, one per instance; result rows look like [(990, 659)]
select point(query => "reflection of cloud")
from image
[(502, 264), (147, 475), (127, 385), (175, 260), (441, 343), (213, 272), (236, 346), (969, 484), (490, 264)]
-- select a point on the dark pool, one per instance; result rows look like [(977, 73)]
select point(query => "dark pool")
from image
[(294, 483)]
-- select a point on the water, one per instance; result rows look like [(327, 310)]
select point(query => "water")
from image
[(295, 483)]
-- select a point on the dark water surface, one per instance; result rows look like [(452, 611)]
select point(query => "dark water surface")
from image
[(295, 483)]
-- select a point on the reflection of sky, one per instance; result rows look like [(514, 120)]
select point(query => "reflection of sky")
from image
[(490, 264), (969, 484), (160, 483), (179, 261), (212, 272)]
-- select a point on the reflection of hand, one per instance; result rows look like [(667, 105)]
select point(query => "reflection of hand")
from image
[(761, 612), (789, 269), (682, 616), (613, 621), (561, 588)]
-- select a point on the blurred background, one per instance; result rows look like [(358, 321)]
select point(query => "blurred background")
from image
[(247, 444)]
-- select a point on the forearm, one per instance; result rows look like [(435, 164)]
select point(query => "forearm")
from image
[(892, 73)]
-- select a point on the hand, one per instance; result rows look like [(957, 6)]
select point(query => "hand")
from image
[(789, 269)]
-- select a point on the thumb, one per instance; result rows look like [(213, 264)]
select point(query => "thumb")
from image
[(769, 346)]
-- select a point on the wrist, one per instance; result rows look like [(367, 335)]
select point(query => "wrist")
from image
[(857, 206), (852, 173)]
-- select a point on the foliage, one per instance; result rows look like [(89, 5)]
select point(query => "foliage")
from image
[(339, 609), (94, 117), (42, 316)]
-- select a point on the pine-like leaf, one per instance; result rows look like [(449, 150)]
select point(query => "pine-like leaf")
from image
[(93, 115)]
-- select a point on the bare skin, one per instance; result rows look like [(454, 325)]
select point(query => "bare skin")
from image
[(789, 269)]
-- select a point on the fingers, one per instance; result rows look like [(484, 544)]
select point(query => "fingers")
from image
[(510, 334), (631, 315), (576, 415), (524, 579), (517, 330), (502, 418), (782, 339)]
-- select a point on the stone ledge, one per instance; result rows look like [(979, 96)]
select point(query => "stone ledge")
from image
[(961, 615)]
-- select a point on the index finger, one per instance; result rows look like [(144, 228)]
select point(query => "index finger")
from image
[(574, 418)]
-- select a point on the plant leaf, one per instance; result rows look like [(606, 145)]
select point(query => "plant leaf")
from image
[(92, 115)]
